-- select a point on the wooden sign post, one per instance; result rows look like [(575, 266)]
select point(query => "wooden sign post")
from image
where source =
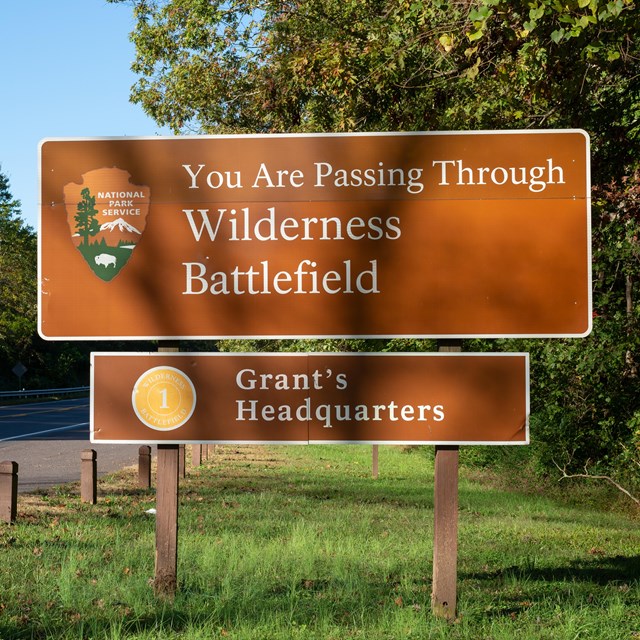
[(89, 476), (144, 467), (445, 515), (166, 566), (445, 532), (8, 491), (196, 455)]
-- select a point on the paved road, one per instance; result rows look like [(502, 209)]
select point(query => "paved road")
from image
[(59, 419), (46, 439)]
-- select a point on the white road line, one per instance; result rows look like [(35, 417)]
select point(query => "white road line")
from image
[(38, 433)]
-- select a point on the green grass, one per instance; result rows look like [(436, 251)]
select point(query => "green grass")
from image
[(300, 542)]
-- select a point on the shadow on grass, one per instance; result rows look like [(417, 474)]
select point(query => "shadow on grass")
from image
[(601, 570), (577, 587)]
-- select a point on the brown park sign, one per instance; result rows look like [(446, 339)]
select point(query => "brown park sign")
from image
[(415, 234), (444, 398)]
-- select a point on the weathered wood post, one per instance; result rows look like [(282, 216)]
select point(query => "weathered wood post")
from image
[(445, 535), (166, 569), (196, 455), (144, 466), (445, 531), (89, 476), (8, 491), (166, 566), (374, 460), (182, 461)]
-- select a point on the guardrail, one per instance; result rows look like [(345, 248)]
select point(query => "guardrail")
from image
[(38, 393)]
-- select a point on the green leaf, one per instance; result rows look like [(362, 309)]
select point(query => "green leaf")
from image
[(446, 40), (535, 13), (476, 35), (470, 51), (557, 35), (472, 72)]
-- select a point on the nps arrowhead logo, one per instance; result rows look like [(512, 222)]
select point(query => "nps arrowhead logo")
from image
[(107, 216)]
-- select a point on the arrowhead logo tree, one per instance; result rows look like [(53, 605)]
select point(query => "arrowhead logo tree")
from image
[(85, 219), (107, 216)]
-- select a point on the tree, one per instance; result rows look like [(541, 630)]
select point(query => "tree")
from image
[(210, 66), (18, 304), (86, 222), (320, 65)]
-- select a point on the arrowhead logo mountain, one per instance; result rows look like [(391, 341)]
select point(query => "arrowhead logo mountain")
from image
[(107, 216)]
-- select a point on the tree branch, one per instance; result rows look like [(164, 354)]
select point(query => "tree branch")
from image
[(590, 476)]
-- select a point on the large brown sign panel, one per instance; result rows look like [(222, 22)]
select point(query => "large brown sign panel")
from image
[(423, 234), (310, 398)]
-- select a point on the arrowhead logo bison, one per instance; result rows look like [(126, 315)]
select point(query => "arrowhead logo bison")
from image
[(107, 216)]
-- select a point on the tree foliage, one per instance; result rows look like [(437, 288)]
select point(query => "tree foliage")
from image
[(342, 65), (48, 365), (212, 66), (17, 281)]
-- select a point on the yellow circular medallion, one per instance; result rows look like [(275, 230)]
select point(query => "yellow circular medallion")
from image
[(164, 398)]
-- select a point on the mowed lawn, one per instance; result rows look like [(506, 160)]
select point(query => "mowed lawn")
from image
[(301, 542)]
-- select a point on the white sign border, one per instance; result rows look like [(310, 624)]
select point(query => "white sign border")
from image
[(429, 354), (481, 132)]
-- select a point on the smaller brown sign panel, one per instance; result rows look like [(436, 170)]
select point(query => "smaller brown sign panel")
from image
[(310, 398)]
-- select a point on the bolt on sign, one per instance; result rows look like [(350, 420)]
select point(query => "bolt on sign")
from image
[(454, 234), (443, 398)]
